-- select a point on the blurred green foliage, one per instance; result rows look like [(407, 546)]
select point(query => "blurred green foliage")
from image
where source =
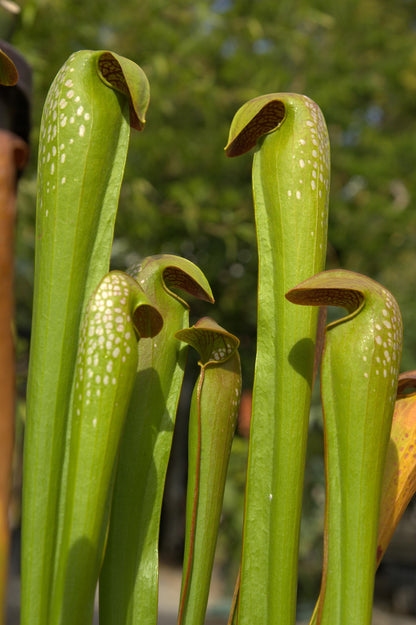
[(204, 58)]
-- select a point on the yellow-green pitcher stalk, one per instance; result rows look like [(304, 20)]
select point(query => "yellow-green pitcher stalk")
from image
[(359, 373), (212, 422), (84, 138), (129, 578), (290, 187), (118, 315)]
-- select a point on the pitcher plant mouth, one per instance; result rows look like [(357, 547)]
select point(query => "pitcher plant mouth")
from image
[(125, 76), (253, 120)]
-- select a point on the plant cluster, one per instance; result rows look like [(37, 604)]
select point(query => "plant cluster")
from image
[(107, 362)]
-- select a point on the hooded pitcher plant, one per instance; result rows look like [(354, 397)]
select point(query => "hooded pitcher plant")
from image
[(83, 145), (119, 313), (212, 422), (359, 373), (290, 186), (129, 578)]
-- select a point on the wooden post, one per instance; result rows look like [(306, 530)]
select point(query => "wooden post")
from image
[(14, 153)]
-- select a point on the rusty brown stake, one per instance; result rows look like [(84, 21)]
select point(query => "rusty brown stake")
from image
[(13, 156)]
